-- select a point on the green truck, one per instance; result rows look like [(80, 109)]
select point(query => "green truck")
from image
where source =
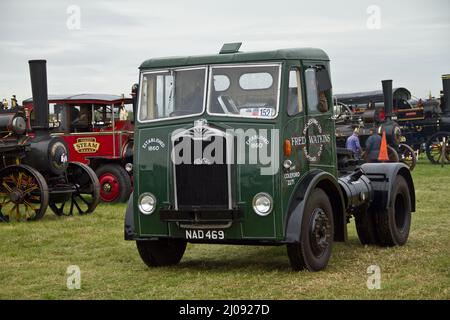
[(240, 148)]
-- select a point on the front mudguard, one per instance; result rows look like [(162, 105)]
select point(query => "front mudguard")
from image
[(329, 184), (129, 233)]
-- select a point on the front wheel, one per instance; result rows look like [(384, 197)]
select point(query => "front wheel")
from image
[(316, 235), (162, 252), (23, 194)]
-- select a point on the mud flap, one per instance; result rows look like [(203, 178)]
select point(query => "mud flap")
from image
[(382, 177)]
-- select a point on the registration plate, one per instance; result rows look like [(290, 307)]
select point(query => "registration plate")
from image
[(192, 234)]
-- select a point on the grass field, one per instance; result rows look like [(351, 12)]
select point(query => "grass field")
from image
[(34, 258)]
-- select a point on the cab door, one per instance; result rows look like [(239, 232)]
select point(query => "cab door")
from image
[(319, 124), (293, 165)]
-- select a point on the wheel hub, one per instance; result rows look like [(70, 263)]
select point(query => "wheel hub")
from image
[(319, 232), (16, 196), (107, 187), (110, 188)]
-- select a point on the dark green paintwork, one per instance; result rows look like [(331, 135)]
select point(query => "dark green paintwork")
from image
[(152, 169), (276, 55)]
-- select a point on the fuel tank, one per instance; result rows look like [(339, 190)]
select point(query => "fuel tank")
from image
[(357, 189)]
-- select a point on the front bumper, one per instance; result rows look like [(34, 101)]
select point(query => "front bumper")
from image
[(201, 216)]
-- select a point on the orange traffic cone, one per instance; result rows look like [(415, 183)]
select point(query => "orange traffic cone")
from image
[(383, 155)]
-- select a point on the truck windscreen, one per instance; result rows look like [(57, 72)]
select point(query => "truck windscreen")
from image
[(172, 93)]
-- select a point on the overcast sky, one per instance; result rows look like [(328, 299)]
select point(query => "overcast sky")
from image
[(411, 46)]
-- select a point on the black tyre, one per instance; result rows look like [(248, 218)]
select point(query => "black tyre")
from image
[(115, 183), (365, 222), (316, 235), (162, 252), (393, 224)]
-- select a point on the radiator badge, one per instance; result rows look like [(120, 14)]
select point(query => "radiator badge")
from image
[(153, 144), (86, 145)]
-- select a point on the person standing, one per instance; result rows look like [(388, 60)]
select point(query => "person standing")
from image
[(352, 143), (13, 101), (5, 104), (373, 144)]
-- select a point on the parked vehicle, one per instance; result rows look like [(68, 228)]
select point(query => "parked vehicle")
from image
[(35, 171), (424, 123), (98, 130), (366, 110), (438, 145), (201, 120)]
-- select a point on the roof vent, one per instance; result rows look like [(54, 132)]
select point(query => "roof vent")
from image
[(230, 47)]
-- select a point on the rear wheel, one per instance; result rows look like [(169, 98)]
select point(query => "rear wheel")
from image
[(365, 222), (316, 235), (83, 192), (115, 183), (162, 252), (394, 223)]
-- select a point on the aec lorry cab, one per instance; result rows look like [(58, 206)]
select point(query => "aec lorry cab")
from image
[(239, 148)]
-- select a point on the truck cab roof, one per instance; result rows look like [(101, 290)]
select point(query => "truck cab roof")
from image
[(241, 57)]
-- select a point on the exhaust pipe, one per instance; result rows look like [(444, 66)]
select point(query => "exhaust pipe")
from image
[(388, 98), (445, 94), (38, 75)]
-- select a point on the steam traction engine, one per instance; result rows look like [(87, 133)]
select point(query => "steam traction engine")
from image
[(438, 144), (34, 170), (371, 110)]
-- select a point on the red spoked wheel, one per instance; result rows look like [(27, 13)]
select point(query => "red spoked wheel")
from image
[(23, 194)]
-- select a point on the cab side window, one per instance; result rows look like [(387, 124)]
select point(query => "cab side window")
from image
[(312, 93), (295, 100), (317, 85)]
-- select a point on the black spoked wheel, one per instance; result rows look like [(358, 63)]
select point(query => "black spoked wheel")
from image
[(85, 194), (438, 148), (407, 155), (316, 237), (23, 194)]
